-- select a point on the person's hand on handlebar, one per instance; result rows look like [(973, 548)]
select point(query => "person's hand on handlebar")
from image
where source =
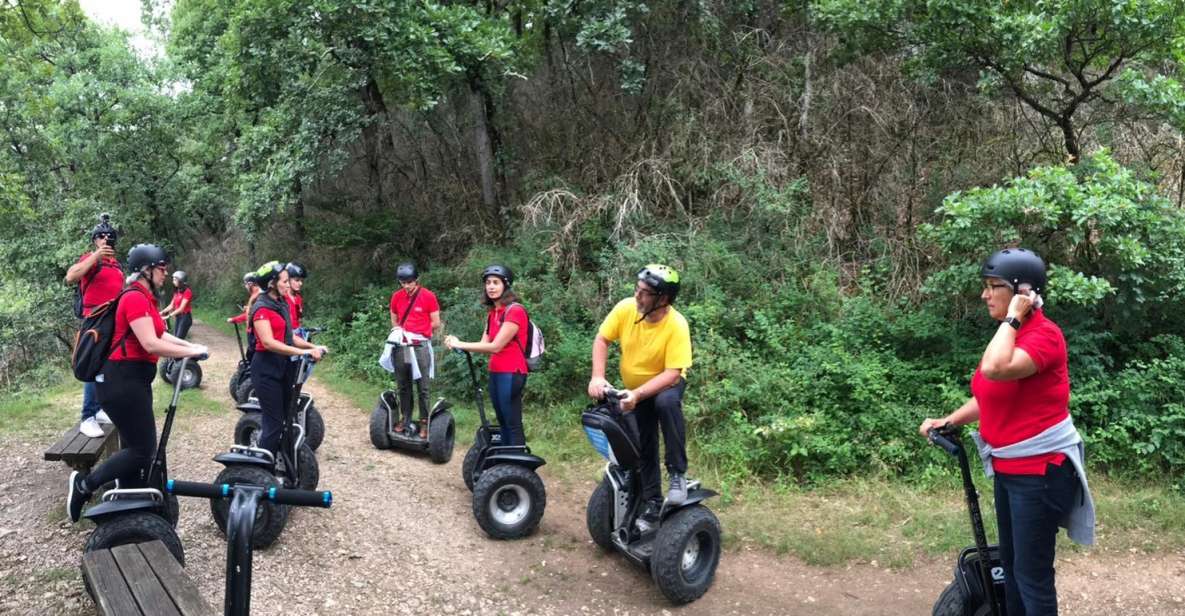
[(628, 401), (198, 350), (596, 387), (316, 352), (931, 424), (451, 342)]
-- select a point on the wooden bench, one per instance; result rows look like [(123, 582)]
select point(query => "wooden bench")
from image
[(82, 452), (141, 578)]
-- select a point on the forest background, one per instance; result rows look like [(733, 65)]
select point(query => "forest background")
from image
[(825, 175)]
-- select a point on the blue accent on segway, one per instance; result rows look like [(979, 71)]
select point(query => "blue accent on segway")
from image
[(271, 493), (225, 490), (328, 500), (599, 441), (169, 486)]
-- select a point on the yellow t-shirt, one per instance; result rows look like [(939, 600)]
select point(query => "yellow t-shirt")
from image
[(647, 348)]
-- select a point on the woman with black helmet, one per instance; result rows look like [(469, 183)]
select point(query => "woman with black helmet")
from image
[(181, 308), (296, 275), (275, 342), (1020, 396), (505, 341), (125, 383), (250, 283)]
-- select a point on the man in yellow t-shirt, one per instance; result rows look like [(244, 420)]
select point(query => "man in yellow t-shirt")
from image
[(655, 355)]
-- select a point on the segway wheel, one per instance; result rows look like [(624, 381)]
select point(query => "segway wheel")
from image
[(306, 465), (686, 552), (172, 509), (378, 426), (442, 432), (469, 466), (135, 527), (166, 371), (599, 515), (191, 377), (270, 518), (249, 429), (314, 427), (953, 602), (508, 501), (235, 378), (246, 389)]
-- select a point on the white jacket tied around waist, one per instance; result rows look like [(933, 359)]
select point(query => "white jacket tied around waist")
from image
[(401, 341), (1061, 438)]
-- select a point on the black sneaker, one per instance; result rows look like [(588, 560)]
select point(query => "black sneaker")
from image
[(649, 516), (76, 497)]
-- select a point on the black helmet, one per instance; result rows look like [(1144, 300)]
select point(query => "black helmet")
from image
[(406, 272), (146, 255), (296, 270), (249, 278), (180, 277), (267, 273), (1016, 266), (664, 279), (500, 271), (104, 227)]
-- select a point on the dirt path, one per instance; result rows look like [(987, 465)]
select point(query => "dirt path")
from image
[(400, 539)]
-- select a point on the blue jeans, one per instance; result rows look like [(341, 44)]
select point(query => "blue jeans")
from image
[(506, 393), (90, 401), (1028, 508)]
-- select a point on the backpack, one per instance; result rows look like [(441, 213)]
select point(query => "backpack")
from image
[(534, 349), (93, 343)]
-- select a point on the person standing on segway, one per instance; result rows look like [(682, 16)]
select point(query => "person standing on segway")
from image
[(124, 385), (99, 277), (296, 275), (1026, 439), (272, 373), (505, 341), (251, 284), (655, 355), (415, 319), (181, 307)]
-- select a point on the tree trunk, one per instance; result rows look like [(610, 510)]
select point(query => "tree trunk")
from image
[(484, 143), (299, 233)]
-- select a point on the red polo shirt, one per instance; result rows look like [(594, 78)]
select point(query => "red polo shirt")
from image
[(295, 308), (275, 320), (100, 287), (180, 294), (138, 303), (419, 319), (1012, 411), (512, 357)]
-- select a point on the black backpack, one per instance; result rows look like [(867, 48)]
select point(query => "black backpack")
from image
[(93, 343)]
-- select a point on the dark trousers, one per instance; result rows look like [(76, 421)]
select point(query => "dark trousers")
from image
[(125, 392), (181, 324), (665, 410), (423, 385), (506, 393), (1028, 508), (272, 375)]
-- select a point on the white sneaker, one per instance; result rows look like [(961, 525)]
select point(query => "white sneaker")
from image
[(102, 417), (91, 428)]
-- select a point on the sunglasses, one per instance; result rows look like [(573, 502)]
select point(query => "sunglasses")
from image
[(991, 287)]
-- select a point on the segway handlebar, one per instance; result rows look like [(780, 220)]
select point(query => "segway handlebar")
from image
[(942, 437), (282, 496), (614, 394)]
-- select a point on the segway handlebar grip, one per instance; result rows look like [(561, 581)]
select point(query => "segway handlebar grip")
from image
[(614, 394), (301, 498), (939, 438), (194, 488)]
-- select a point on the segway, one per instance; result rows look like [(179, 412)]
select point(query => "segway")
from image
[(508, 496), (172, 370), (248, 464), (133, 515), (680, 549), (250, 423), (242, 370), (441, 427), (244, 502), (978, 567)]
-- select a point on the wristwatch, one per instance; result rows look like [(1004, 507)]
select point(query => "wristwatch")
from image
[(1013, 321)]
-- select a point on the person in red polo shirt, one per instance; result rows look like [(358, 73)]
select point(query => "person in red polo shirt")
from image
[(100, 279), (181, 308), (1020, 396), (125, 383), (415, 319), (296, 275)]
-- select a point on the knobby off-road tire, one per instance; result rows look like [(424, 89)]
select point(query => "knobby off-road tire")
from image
[(314, 427), (246, 389), (249, 429), (270, 518), (686, 553), (191, 378), (378, 426), (135, 527), (599, 515), (306, 464), (469, 465), (442, 433), (508, 501)]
